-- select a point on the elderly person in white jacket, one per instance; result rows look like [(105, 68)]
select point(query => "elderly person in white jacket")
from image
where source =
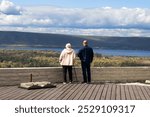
[(66, 59)]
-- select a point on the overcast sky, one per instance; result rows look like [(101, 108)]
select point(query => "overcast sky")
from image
[(86, 17)]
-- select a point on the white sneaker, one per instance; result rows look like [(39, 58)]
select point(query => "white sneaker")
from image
[(64, 82)]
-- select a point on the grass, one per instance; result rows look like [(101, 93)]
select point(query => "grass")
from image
[(39, 58)]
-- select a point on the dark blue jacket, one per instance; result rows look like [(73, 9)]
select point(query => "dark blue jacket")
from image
[(86, 54)]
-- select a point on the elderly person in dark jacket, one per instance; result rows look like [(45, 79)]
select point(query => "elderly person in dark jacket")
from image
[(86, 56)]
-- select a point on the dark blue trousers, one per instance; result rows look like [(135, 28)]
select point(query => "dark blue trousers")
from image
[(86, 71)]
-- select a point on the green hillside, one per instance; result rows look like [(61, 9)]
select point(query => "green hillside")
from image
[(12, 38)]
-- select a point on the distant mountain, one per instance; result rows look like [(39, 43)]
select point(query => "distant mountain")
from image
[(13, 38)]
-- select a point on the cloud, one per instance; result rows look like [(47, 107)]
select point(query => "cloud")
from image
[(104, 21), (105, 17), (9, 8)]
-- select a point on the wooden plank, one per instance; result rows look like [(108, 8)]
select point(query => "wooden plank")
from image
[(139, 92), (147, 97), (118, 92), (142, 97), (147, 90), (48, 92), (136, 92), (62, 91), (103, 97), (6, 90), (109, 92), (80, 91), (95, 92), (3, 88), (77, 90), (99, 93), (123, 96), (82, 97), (148, 87), (127, 94), (71, 92), (17, 94), (143, 91), (9, 93), (113, 94), (89, 93), (33, 94), (54, 92), (23, 93), (132, 95), (67, 92), (38, 94)]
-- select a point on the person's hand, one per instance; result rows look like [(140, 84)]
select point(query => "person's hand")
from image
[(60, 60)]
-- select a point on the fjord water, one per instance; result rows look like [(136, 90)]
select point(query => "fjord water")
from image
[(105, 52), (111, 52)]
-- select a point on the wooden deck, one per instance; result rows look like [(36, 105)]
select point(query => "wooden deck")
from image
[(79, 92)]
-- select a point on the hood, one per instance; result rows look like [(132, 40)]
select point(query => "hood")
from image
[(68, 50)]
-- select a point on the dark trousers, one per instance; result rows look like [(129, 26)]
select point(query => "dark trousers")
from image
[(86, 71), (69, 69)]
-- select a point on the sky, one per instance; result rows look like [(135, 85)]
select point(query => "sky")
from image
[(77, 17), (86, 3)]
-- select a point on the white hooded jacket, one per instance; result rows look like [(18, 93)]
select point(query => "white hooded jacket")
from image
[(67, 57)]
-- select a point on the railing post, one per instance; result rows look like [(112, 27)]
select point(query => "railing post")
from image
[(30, 77)]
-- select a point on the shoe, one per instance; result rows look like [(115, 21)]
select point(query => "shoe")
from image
[(70, 82), (83, 82), (64, 82)]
